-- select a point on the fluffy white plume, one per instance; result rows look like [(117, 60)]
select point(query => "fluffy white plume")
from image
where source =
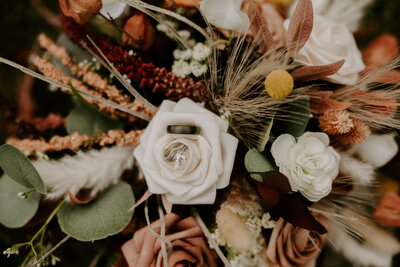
[(94, 169), (362, 172), (377, 150), (349, 12), (377, 250)]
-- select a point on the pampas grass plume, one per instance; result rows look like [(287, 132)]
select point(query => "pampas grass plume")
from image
[(234, 231)]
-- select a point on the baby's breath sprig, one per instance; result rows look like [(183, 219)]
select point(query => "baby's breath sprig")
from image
[(36, 245)]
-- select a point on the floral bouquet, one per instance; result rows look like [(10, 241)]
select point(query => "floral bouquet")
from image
[(206, 133)]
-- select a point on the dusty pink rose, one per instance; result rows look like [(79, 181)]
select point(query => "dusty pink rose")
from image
[(80, 10), (291, 246), (189, 245)]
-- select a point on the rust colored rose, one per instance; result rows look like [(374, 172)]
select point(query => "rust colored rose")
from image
[(387, 213), (186, 236), (139, 32), (291, 246), (80, 10)]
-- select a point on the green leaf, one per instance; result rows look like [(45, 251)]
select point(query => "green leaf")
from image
[(106, 215), (19, 168), (296, 114), (15, 211), (267, 131), (257, 162), (86, 119)]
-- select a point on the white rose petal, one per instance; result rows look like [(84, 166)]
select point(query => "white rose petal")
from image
[(330, 42), (225, 14), (114, 8), (207, 158), (377, 150), (310, 164)]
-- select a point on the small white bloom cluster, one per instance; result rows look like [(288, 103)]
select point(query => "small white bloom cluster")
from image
[(92, 65), (191, 61), (165, 28), (126, 78), (187, 61), (10, 251), (267, 221)]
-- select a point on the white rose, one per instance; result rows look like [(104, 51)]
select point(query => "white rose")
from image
[(187, 168), (225, 14), (330, 42), (310, 164)]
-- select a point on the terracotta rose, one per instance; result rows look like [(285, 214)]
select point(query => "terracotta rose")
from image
[(291, 246), (189, 246)]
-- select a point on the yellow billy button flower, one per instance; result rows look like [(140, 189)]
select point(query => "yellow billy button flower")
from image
[(279, 84), (283, 2)]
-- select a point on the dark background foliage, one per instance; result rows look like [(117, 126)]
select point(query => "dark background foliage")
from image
[(21, 22)]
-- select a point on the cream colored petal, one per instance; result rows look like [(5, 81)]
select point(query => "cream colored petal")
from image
[(229, 145), (281, 146)]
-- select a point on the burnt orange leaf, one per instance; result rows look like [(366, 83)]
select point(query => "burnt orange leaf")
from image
[(187, 3), (259, 26), (376, 98), (74, 200), (390, 77), (378, 101), (307, 73), (300, 27), (293, 208), (320, 102)]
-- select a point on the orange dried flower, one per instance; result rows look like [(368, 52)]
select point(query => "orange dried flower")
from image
[(139, 32), (336, 121), (80, 10), (380, 51), (387, 213), (355, 136), (76, 141), (93, 79)]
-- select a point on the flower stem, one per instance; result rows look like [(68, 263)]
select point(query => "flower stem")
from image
[(210, 239), (65, 239)]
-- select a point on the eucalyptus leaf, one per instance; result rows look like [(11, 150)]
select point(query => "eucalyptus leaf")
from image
[(295, 116), (15, 211), (104, 216), (257, 162), (19, 168), (86, 119)]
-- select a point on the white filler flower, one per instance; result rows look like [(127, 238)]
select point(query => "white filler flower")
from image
[(226, 14), (310, 164), (188, 167)]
